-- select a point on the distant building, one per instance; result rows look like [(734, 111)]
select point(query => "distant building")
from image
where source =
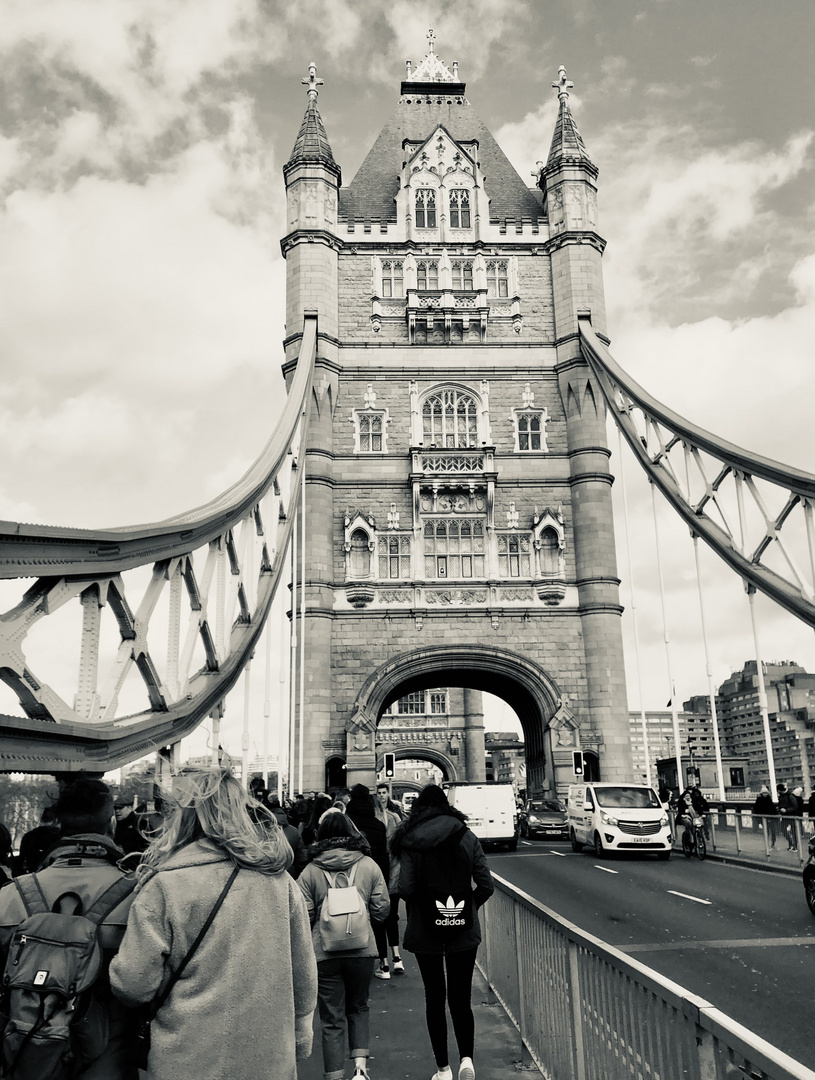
[(695, 735), (505, 759)]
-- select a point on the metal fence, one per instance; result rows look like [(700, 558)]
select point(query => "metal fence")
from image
[(586, 1011), (777, 840)]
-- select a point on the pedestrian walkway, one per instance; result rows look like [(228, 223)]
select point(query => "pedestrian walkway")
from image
[(400, 1047), (750, 847)]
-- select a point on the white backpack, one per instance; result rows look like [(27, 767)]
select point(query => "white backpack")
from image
[(344, 922)]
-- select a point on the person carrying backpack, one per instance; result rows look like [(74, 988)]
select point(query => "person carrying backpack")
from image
[(80, 894), (344, 943), (440, 860), (214, 902)]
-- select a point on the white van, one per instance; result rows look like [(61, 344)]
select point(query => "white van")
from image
[(490, 811), (618, 817)]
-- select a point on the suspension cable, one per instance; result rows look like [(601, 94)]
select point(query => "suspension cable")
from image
[(293, 657), (301, 693), (666, 636), (637, 666)]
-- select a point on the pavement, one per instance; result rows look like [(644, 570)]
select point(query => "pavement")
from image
[(751, 849), (400, 1047)]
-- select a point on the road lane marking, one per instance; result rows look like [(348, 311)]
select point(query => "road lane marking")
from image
[(687, 896), (605, 869), (745, 943), (562, 854), (526, 843)]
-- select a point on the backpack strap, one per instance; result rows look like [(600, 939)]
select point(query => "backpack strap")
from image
[(31, 894), (110, 899), (348, 877)]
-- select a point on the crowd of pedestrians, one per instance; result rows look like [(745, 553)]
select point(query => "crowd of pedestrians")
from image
[(180, 907)]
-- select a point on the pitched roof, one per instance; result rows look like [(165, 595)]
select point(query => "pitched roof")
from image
[(312, 142), (371, 194), (567, 142)]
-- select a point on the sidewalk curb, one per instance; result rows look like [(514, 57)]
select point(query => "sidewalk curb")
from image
[(751, 864)]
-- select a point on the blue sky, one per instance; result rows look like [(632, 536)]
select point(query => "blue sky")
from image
[(141, 147)]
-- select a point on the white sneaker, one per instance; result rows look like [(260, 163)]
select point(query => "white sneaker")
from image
[(466, 1070), (398, 966), (443, 1074), (382, 972)]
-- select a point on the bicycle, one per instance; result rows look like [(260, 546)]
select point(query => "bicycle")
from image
[(693, 837)]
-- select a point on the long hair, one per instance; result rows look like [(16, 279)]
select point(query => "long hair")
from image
[(210, 804)]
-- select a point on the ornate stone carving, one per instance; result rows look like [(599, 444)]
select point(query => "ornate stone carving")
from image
[(455, 597), (394, 596), (551, 591), (360, 593), (516, 594)]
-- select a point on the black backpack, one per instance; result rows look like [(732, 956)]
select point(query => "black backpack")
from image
[(51, 1023), (445, 891)]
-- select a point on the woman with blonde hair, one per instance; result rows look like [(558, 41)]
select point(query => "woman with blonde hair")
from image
[(218, 1021)]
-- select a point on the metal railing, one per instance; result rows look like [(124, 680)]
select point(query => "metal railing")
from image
[(781, 841), (586, 1011)]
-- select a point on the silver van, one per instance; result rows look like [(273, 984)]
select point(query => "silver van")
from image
[(490, 810), (618, 817)]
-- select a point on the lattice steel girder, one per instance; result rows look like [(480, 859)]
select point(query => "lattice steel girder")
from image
[(54, 737), (798, 485)]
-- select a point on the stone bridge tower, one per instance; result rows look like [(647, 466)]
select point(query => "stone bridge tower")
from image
[(458, 494)]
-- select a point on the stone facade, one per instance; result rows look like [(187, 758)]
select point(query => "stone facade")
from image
[(457, 475)]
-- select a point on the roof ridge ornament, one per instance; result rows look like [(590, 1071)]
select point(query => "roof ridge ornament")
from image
[(432, 68), (312, 82), (563, 85)]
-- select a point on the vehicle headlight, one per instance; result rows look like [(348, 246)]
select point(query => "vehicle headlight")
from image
[(664, 820), (532, 818), (607, 819)]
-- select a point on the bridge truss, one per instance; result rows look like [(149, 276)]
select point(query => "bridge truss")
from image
[(176, 607)]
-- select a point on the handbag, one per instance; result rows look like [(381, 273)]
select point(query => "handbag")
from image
[(142, 1042)]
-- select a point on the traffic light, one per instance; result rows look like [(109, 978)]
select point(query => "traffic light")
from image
[(390, 766), (577, 757)]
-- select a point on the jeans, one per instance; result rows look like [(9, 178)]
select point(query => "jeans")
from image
[(457, 992), (342, 989), (387, 933)]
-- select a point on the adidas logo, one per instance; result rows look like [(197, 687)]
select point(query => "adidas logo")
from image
[(451, 908)]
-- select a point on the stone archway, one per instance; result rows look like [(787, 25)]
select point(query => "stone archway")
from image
[(523, 684), (423, 753)]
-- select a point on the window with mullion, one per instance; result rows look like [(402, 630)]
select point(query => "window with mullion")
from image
[(425, 208), (454, 548), (513, 555), (529, 431), (450, 419), (393, 552), (497, 278), (427, 275), (370, 433), (459, 208), (392, 278), (462, 275)]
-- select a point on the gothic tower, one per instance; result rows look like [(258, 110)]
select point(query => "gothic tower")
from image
[(458, 509)]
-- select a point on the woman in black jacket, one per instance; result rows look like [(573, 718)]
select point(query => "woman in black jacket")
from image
[(440, 860)]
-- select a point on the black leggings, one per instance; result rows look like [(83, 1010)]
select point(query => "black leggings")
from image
[(457, 993)]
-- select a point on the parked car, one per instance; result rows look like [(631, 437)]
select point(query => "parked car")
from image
[(545, 817), (809, 876)]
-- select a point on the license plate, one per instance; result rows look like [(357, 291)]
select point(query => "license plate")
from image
[(640, 839)]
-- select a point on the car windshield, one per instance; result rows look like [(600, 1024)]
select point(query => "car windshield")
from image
[(635, 798), (540, 805)]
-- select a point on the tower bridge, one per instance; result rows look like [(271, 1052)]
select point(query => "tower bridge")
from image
[(438, 487)]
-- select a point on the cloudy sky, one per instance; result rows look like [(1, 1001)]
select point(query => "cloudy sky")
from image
[(141, 147)]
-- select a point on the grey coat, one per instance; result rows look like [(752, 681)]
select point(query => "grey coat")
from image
[(248, 994)]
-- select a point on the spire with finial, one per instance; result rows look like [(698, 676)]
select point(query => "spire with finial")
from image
[(312, 143), (567, 142)]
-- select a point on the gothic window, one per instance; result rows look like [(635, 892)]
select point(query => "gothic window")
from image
[(425, 208), (513, 555), (438, 701), (359, 562), (459, 209), (450, 419), (370, 432), (529, 430), (393, 283), (549, 551), (411, 704), (427, 274), (394, 556), (462, 274), (454, 548), (497, 278)]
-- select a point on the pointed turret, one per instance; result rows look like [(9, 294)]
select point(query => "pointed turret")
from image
[(311, 145), (567, 142)]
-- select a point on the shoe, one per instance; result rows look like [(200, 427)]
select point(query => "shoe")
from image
[(398, 966), (443, 1074), (361, 1074), (466, 1070), (382, 972)]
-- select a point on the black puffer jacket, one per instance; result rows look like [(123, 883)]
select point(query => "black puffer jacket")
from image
[(427, 830)]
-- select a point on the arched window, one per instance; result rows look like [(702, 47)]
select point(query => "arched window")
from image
[(459, 208), (392, 278), (359, 563), (462, 274), (450, 419), (529, 431), (370, 432), (427, 274), (425, 207), (549, 551), (497, 278)]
